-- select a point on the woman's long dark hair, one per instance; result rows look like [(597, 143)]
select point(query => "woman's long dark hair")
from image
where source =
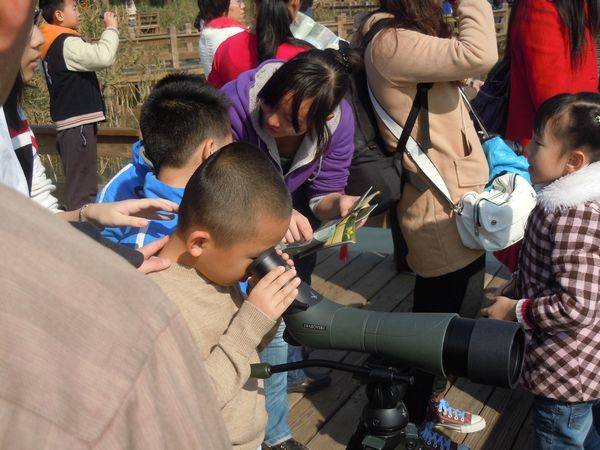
[(322, 76), (576, 23), (209, 10), (273, 20), (424, 16)]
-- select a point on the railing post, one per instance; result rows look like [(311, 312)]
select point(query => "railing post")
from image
[(189, 46), (174, 48), (341, 26)]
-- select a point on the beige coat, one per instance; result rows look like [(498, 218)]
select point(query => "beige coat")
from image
[(398, 59)]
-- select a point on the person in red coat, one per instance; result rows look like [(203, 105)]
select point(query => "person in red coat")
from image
[(552, 51), (271, 38)]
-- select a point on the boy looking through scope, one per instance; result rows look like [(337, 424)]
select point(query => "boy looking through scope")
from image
[(234, 207)]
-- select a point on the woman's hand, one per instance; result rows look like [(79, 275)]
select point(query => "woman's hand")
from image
[(151, 262), (299, 229), (334, 205), (127, 213), (346, 203), (502, 308)]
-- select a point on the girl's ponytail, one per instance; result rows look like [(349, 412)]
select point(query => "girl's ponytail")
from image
[(574, 119)]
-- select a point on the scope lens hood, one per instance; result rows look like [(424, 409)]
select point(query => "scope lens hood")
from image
[(484, 351)]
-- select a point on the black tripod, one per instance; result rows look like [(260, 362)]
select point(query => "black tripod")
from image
[(384, 423)]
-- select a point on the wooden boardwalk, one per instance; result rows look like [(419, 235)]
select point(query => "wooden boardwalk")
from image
[(325, 420)]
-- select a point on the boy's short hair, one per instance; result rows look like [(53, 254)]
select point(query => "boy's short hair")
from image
[(49, 7), (230, 190), (181, 112)]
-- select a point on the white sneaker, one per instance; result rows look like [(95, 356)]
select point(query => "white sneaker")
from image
[(445, 416)]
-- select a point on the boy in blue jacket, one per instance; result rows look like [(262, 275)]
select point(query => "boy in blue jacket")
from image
[(183, 121)]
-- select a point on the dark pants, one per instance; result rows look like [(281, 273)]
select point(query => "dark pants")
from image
[(455, 292), (77, 149)]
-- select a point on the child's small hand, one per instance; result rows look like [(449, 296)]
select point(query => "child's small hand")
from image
[(275, 292), (502, 308), (287, 258), (110, 19)]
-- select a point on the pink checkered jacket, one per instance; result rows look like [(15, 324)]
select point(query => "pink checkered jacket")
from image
[(558, 282)]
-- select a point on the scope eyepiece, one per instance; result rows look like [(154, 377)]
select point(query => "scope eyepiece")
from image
[(269, 260)]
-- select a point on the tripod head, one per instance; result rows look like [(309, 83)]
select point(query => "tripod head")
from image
[(384, 423)]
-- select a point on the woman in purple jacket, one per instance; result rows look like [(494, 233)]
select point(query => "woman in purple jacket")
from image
[(294, 111)]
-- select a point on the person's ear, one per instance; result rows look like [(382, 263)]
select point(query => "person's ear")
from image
[(59, 17), (330, 116), (294, 7), (577, 160), (206, 148), (197, 241)]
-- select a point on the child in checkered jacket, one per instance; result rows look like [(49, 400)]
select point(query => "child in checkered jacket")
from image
[(555, 292)]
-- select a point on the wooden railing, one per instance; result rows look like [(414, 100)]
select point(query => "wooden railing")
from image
[(349, 7), (112, 142), (159, 54)]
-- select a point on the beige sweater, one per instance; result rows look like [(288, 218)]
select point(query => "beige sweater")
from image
[(395, 61), (227, 331)]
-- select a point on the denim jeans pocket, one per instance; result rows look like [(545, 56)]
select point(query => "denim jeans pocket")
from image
[(579, 416)]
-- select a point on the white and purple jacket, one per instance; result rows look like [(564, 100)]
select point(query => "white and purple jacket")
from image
[(309, 175)]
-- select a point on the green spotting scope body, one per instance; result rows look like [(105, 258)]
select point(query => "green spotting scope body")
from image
[(482, 350)]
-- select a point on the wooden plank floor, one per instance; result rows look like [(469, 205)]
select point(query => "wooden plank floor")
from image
[(325, 420)]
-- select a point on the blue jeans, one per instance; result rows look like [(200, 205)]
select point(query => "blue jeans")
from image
[(276, 398), (562, 425), (297, 376)]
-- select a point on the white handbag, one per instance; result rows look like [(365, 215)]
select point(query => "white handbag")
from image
[(495, 219), (492, 220)]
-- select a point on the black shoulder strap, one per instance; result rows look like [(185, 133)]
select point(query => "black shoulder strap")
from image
[(375, 28), (420, 108)]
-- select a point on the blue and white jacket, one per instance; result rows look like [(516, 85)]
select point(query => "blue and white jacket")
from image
[(137, 180)]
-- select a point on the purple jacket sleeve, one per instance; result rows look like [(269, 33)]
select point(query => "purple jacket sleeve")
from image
[(241, 125), (334, 172)]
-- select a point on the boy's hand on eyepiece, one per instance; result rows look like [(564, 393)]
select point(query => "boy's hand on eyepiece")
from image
[(287, 258), (275, 292), (110, 19)]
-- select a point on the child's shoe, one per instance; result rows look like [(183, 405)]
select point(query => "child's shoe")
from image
[(437, 441), (445, 416)]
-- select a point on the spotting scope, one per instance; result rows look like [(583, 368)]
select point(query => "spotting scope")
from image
[(482, 350)]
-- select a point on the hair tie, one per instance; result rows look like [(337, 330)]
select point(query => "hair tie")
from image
[(344, 47)]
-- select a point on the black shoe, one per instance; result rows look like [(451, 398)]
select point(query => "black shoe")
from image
[(290, 444), (310, 384)]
